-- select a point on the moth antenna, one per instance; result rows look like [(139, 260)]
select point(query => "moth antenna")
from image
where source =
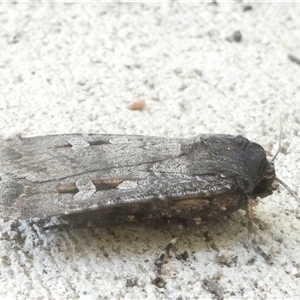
[(276, 178), (288, 188), (279, 143)]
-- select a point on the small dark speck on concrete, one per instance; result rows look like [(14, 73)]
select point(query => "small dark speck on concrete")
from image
[(198, 72), (247, 7), (159, 282), (183, 256), (214, 288), (294, 59), (214, 2), (131, 282), (237, 36), (227, 258)]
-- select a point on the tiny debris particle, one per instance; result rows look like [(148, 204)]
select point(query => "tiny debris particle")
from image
[(131, 282), (237, 36), (137, 104), (184, 255), (198, 72), (214, 288), (227, 258), (294, 59), (247, 7), (214, 2), (182, 87), (159, 282)]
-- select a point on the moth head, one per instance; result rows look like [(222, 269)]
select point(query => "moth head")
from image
[(265, 184)]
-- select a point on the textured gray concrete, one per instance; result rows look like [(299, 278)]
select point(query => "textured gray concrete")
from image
[(74, 68)]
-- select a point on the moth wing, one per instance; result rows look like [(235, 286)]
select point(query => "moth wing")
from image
[(67, 174)]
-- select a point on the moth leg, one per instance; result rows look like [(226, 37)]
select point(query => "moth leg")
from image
[(53, 223), (210, 241), (252, 235), (55, 226), (160, 259)]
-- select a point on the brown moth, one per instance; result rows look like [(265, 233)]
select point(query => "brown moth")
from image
[(88, 179)]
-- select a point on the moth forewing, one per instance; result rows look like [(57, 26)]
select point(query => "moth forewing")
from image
[(107, 178)]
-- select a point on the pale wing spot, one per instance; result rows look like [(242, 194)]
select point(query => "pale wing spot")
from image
[(127, 184), (86, 189), (78, 143)]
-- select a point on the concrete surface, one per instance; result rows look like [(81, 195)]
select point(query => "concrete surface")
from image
[(74, 67)]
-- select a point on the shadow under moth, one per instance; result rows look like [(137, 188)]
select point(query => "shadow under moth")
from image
[(92, 179)]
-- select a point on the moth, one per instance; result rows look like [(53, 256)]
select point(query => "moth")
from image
[(92, 179)]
